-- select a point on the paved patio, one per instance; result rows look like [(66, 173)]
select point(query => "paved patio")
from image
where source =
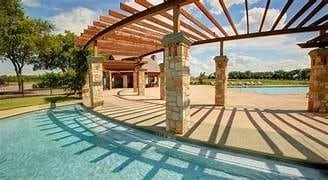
[(277, 125)]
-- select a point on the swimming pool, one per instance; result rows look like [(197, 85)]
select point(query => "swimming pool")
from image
[(70, 143), (274, 90)]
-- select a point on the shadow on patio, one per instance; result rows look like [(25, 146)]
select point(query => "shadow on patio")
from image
[(288, 134)]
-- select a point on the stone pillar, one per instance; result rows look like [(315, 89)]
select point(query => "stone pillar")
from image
[(135, 80), (110, 80), (141, 82), (162, 81), (221, 63), (177, 76), (92, 92), (318, 92), (125, 81)]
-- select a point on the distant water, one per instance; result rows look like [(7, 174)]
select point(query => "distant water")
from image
[(274, 90)]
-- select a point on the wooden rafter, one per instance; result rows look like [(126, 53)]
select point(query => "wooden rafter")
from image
[(264, 14), (196, 22), (227, 14), (299, 13), (247, 17), (132, 10), (320, 20), (140, 23), (146, 4), (210, 17), (282, 13), (136, 30), (312, 13)]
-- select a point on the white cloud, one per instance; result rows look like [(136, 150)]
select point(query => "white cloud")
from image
[(215, 6), (74, 20), (31, 3)]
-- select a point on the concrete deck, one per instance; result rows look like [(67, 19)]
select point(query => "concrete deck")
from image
[(275, 125)]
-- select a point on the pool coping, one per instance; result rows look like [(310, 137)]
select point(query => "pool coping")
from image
[(161, 132)]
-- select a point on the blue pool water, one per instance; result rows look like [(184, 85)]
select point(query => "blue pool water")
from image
[(274, 90), (70, 143)]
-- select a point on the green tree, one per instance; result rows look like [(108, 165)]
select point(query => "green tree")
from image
[(62, 54), (58, 54), (20, 37), (201, 77)]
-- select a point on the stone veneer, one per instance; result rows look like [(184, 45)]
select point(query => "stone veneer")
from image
[(177, 74), (92, 92), (221, 63), (162, 81), (318, 92), (125, 81), (141, 82), (135, 80)]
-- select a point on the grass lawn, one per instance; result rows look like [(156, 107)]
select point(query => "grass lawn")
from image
[(265, 82), (12, 103)]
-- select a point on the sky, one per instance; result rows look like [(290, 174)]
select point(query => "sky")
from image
[(257, 54)]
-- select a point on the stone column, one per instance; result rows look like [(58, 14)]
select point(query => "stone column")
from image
[(135, 80), (221, 63), (125, 81), (177, 76), (110, 80), (318, 92), (141, 82), (162, 81), (92, 92)]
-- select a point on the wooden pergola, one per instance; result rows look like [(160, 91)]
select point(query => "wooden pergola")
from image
[(139, 33)]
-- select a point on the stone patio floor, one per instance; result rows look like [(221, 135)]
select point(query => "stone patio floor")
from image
[(275, 125)]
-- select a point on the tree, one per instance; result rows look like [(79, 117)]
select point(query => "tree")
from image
[(20, 37), (59, 54), (63, 55), (201, 77)]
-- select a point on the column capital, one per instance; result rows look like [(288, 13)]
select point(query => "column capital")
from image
[(176, 38), (319, 52), (221, 59)]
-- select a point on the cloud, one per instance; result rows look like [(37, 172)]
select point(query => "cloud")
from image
[(31, 3), (215, 7), (74, 20)]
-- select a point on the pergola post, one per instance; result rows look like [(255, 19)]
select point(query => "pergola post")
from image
[(135, 80), (318, 91), (221, 63), (177, 76), (125, 81), (141, 82), (92, 92), (110, 81), (162, 81)]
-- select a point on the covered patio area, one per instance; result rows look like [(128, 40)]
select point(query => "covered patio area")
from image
[(281, 129)]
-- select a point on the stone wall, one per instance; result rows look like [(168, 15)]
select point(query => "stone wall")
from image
[(318, 92), (135, 81), (141, 82), (221, 63), (125, 81), (92, 92), (162, 81), (177, 73)]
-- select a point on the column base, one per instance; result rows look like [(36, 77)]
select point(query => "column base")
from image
[(176, 127)]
